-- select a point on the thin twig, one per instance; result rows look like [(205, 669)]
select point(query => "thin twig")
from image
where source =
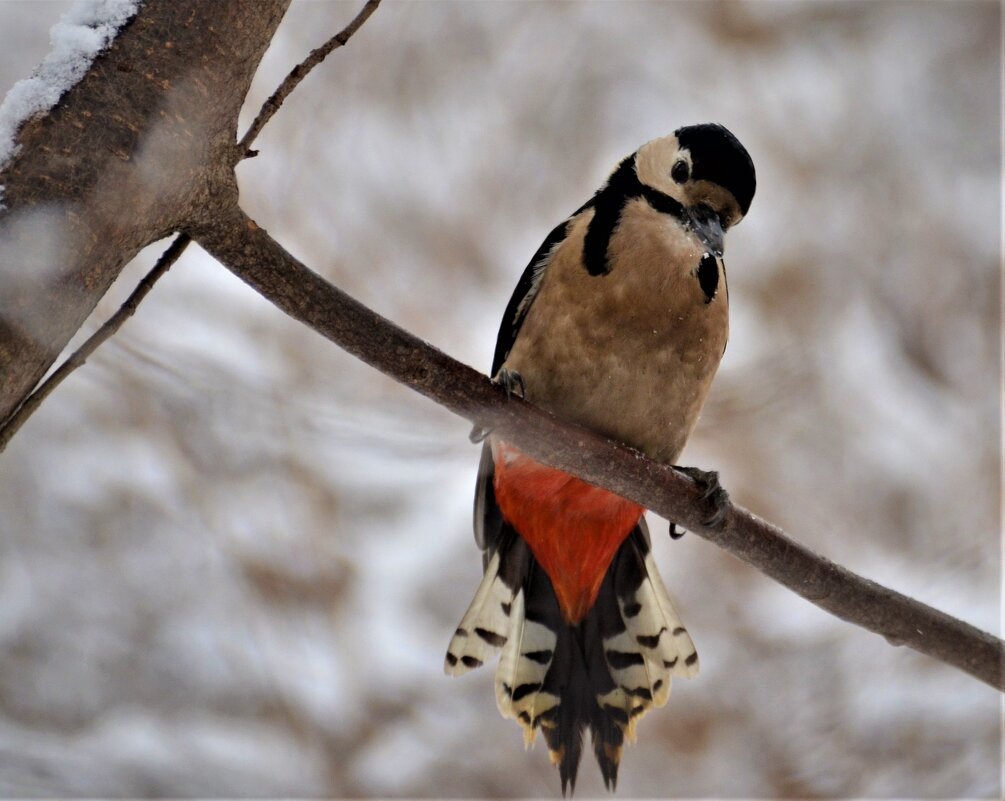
[(299, 72), (30, 404), (78, 357), (257, 259)]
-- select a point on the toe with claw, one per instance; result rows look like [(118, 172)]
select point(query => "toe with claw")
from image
[(512, 382), (478, 434), (712, 493)]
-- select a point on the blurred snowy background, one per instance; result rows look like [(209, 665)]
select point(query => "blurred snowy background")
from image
[(231, 556)]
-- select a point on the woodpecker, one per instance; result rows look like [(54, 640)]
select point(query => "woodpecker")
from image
[(618, 323)]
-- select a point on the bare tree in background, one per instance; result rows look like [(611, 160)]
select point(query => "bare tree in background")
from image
[(146, 144)]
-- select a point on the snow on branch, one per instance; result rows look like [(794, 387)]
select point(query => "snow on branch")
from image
[(85, 30)]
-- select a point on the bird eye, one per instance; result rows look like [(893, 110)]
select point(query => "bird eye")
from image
[(680, 172)]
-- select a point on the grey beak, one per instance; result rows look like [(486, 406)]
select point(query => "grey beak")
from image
[(708, 227)]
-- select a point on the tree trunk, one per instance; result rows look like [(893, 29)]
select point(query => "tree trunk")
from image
[(132, 152)]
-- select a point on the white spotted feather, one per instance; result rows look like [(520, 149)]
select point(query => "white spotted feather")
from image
[(485, 627), (516, 670), (678, 648), (656, 634)]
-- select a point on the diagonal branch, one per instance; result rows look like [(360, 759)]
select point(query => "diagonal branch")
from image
[(257, 259), (299, 72), (21, 414)]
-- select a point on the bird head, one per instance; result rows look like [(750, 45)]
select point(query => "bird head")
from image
[(708, 171)]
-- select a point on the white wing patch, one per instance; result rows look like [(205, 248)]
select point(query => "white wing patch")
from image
[(485, 627), (642, 659), (522, 669)]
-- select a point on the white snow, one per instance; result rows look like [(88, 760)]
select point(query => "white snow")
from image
[(83, 32)]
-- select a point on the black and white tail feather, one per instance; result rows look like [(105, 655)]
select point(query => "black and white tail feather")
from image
[(603, 674)]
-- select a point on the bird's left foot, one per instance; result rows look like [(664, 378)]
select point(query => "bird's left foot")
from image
[(712, 492), (512, 382)]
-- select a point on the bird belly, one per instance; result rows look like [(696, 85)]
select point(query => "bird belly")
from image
[(630, 354), (573, 528)]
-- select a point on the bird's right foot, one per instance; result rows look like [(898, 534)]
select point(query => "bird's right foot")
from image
[(713, 494)]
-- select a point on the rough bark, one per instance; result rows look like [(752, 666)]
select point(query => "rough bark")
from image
[(128, 155)]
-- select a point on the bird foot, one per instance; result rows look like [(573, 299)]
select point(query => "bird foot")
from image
[(512, 382), (712, 493), (478, 434)]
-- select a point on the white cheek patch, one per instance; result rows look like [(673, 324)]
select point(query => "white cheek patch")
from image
[(654, 162)]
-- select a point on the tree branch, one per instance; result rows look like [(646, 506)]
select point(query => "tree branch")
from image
[(299, 72), (14, 422), (249, 252)]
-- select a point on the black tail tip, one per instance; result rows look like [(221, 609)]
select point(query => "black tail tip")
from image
[(610, 777), (568, 767), (608, 757)]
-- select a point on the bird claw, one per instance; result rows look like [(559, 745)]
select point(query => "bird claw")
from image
[(512, 382), (713, 494), (478, 434), (676, 533)]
